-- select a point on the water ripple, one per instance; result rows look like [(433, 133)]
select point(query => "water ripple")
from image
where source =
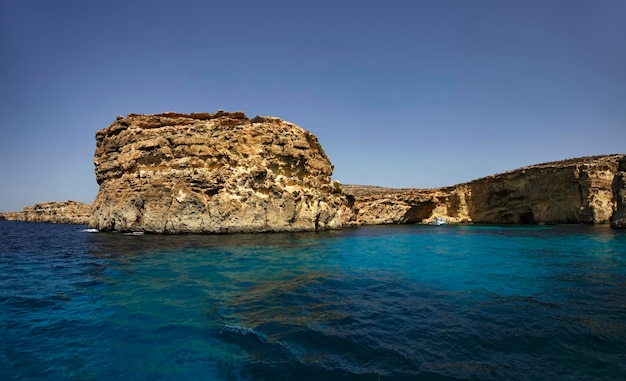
[(380, 303)]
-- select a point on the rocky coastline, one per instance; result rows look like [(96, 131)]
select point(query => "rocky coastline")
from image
[(587, 190), (66, 212), (225, 173)]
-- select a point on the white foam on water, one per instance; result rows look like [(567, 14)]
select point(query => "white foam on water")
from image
[(242, 331)]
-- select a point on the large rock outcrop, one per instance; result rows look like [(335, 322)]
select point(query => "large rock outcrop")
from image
[(568, 191), (585, 190), (225, 173), (211, 173), (68, 212)]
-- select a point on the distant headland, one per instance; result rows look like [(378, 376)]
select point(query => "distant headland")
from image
[(225, 173)]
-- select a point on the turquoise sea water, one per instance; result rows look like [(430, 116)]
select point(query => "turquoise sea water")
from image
[(375, 303)]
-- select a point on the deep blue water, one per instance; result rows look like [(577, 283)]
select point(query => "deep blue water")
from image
[(377, 303)]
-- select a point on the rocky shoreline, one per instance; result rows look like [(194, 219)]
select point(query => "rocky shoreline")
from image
[(67, 212), (587, 190), (223, 173)]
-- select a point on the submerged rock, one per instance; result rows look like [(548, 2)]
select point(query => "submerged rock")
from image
[(211, 173)]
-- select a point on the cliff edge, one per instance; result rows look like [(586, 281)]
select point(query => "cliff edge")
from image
[(588, 190), (211, 173), (618, 219), (68, 212)]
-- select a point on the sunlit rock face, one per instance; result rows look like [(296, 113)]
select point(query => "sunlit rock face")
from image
[(66, 212), (371, 205), (585, 190), (568, 191), (618, 220), (211, 173)]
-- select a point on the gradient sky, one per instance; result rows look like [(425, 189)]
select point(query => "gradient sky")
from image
[(399, 93)]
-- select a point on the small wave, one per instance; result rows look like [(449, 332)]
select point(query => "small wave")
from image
[(235, 329), (134, 233), (90, 230), (238, 333)]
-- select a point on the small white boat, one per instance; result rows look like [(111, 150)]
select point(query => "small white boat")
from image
[(438, 221)]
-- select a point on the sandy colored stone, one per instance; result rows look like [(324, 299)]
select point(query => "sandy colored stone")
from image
[(211, 173), (225, 173), (587, 190), (618, 219), (68, 212)]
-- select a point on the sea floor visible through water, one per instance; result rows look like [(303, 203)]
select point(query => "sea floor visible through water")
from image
[(402, 302)]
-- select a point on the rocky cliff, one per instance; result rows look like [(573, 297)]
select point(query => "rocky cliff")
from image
[(68, 212), (371, 205), (213, 173), (11, 216), (618, 219), (225, 173), (584, 190)]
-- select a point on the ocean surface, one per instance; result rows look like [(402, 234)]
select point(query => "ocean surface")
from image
[(402, 302)]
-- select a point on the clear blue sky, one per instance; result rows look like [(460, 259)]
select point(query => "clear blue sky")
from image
[(400, 93)]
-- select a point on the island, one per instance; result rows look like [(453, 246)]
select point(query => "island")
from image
[(222, 172)]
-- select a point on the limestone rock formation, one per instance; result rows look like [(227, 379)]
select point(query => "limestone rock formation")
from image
[(225, 173), (11, 216), (68, 212), (584, 190), (369, 205), (618, 220), (211, 173), (569, 191)]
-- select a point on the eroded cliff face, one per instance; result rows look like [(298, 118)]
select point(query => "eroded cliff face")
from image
[(569, 191), (368, 205), (618, 220), (225, 173), (68, 212), (211, 173), (11, 216), (585, 190)]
